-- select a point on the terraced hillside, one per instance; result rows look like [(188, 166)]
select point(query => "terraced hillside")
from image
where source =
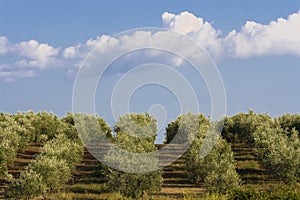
[(88, 182), (248, 167), (22, 160)]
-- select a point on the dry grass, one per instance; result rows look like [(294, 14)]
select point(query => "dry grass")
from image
[(248, 164)]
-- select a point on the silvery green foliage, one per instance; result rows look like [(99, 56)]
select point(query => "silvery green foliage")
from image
[(221, 174), (185, 127), (48, 124), (27, 133), (29, 185), (91, 129), (10, 140), (137, 125), (289, 121), (279, 151), (217, 168), (63, 148), (51, 169), (240, 127), (135, 133)]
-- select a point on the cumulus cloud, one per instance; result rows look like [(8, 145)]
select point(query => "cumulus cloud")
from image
[(29, 53), (201, 31), (82, 49), (253, 39), (279, 37), (148, 44), (276, 38), (35, 54), (70, 52), (185, 22), (25, 58)]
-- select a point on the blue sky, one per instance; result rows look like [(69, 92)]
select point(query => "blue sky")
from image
[(259, 62)]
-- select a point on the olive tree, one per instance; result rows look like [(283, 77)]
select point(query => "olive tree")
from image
[(186, 127), (64, 148), (10, 141), (289, 121), (29, 185), (51, 169), (91, 129), (279, 151), (26, 129), (47, 124), (220, 170), (217, 168), (240, 127), (135, 133), (54, 171)]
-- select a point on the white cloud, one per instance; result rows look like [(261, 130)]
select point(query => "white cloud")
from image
[(160, 39), (3, 45), (35, 54), (276, 38), (29, 53), (90, 44), (70, 52), (184, 23), (254, 39), (201, 31), (10, 76), (25, 57), (80, 51), (280, 37)]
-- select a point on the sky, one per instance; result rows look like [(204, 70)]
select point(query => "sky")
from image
[(254, 44)]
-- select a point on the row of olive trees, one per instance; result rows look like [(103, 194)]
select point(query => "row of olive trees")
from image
[(216, 169), (276, 141), (50, 170), (63, 150), (134, 134), (279, 150), (16, 132)]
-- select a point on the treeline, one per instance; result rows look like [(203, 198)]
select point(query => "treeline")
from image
[(275, 139)]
